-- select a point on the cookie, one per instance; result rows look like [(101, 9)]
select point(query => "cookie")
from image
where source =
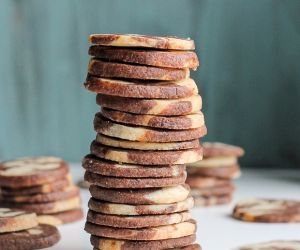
[(153, 233), (149, 196), (134, 40), (215, 162), (213, 149), (125, 209), (190, 247), (110, 168), (12, 220), (159, 107), (201, 201), (220, 190), (195, 120), (121, 143), (146, 157), (41, 236), (141, 89), (67, 193), (116, 182), (106, 243), (268, 210), (229, 172), (61, 218), (54, 186), (109, 69), (46, 208), (141, 221), (195, 181), (135, 133), (31, 171), (83, 184), (273, 245), (157, 58)]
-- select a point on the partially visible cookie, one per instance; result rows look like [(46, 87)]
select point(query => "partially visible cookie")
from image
[(268, 210), (201, 201), (212, 149), (61, 217), (161, 107), (41, 236), (31, 171), (273, 245), (126, 209), (205, 182), (143, 41), (147, 196), (12, 220), (229, 172), (215, 162), (220, 190), (153, 233)]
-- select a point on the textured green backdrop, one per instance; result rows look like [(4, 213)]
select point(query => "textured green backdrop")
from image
[(249, 77)]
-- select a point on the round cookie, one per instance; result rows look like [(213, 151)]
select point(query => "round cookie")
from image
[(116, 182), (46, 208), (159, 107), (215, 162), (67, 193), (121, 143), (109, 69), (201, 201), (153, 233), (146, 157), (125, 209), (229, 172), (268, 210), (141, 89), (212, 149), (110, 168), (157, 58), (61, 218), (41, 236), (195, 181), (141, 221), (195, 120), (106, 243), (273, 245), (54, 186), (149, 196), (83, 184), (143, 41), (143, 134), (12, 220), (31, 171), (220, 190)]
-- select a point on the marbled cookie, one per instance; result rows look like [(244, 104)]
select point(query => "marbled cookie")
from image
[(157, 58), (215, 162), (141, 89), (229, 172), (106, 243), (31, 171), (143, 41), (201, 201), (148, 196), (61, 217), (110, 69), (148, 157), (219, 190), (41, 236), (144, 134), (213, 149), (153, 233), (195, 181), (109, 168), (12, 220), (121, 143), (159, 107), (267, 210), (117, 182), (273, 245), (126, 209), (141, 221)]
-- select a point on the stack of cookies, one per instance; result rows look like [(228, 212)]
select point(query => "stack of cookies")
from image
[(211, 178), (19, 230), (147, 130), (42, 185)]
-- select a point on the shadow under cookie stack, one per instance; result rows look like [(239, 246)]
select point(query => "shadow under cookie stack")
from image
[(147, 130), (211, 179)]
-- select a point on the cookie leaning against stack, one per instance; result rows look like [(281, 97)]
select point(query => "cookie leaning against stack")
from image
[(211, 178), (147, 130), (42, 185), (19, 230)]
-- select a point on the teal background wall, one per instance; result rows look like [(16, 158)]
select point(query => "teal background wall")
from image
[(249, 77)]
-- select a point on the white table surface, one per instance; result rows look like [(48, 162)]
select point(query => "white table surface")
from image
[(216, 229)]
